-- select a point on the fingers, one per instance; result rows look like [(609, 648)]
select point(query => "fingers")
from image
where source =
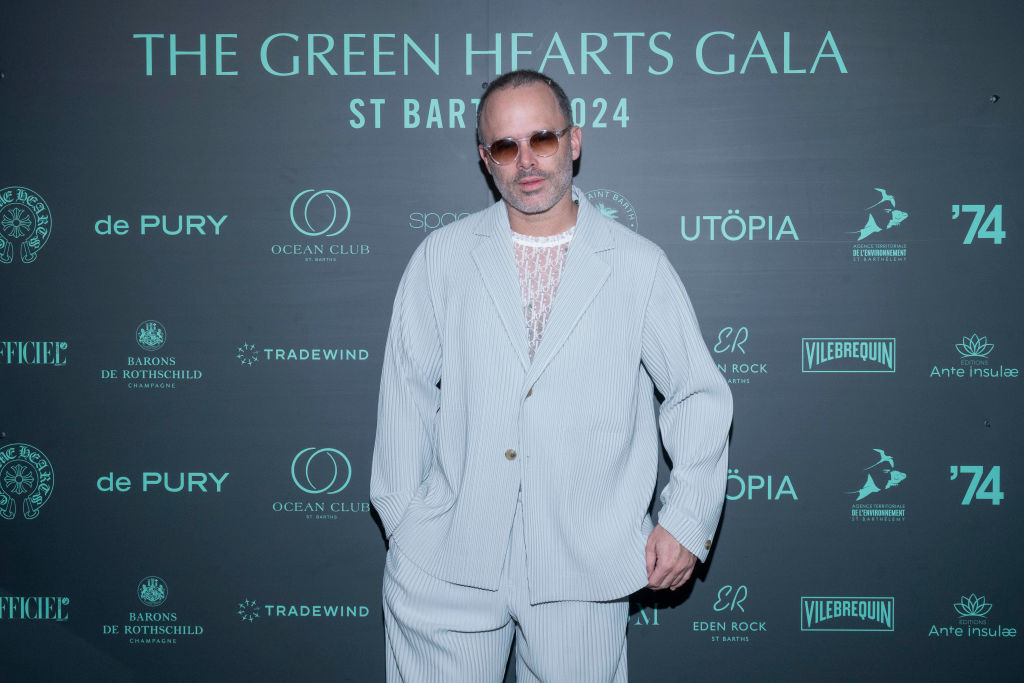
[(651, 556)]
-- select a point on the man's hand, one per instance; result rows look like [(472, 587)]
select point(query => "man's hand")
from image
[(669, 564)]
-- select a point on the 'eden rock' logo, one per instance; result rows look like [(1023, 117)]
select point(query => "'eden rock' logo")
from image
[(26, 476), (24, 222)]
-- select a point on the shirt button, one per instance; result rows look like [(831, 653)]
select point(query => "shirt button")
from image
[(510, 454), (707, 545)]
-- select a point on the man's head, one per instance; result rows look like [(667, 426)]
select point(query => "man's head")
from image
[(515, 107)]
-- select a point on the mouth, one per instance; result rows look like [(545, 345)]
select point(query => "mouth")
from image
[(530, 183)]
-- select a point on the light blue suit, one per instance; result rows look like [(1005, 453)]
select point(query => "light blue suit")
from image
[(466, 420)]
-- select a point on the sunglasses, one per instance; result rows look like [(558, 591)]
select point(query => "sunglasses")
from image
[(543, 143)]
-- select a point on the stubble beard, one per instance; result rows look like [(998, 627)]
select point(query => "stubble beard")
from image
[(557, 184)]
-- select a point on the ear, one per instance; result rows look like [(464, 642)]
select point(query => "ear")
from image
[(483, 157), (576, 140)]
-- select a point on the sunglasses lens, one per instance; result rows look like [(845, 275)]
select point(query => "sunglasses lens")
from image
[(544, 143), (504, 151)]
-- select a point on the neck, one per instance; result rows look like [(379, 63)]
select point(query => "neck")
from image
[(558, 218)]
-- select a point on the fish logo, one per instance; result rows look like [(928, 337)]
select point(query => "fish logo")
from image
[(896, 216), (870, 487)]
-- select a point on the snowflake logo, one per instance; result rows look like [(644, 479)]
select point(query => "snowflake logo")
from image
[(151, 335), (18, 480), (17, 223), (247, 354), (248, 610)]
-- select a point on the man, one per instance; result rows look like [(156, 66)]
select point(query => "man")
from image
[(517, 438)]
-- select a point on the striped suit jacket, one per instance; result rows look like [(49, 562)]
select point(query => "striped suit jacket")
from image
[(466, 421)]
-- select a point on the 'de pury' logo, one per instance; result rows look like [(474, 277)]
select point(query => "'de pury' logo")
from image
[(26, 477), (24, 223), (321, 472), (891, 217), (613, 205), (878, 512), (321, 214), (974, 362)]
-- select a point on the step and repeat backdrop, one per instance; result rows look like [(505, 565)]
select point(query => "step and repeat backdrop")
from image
[(205, 209)]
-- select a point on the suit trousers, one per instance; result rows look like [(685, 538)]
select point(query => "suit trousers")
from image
[(440, 632)]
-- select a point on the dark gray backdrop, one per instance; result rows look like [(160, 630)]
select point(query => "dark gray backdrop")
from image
[(925, 105)]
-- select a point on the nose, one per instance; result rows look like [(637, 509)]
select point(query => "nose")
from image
[(527, 159)]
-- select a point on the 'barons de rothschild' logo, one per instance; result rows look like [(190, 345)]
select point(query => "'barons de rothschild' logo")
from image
[(613, 205), (320, 214), (149, 371), (24, 223), (150, 627), (26, 477), (152, 591), (151, 335)]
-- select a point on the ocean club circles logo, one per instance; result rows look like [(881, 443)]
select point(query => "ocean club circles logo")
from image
[(891, 217), (974, 352), (24, 223), (878, 512), (613, 205), (152, 591), (321, 472), (320, 214), (972, 622), (26, 477), (151, 335)]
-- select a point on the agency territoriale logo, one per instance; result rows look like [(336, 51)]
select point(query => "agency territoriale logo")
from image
[(878, 512), (152, 591), (24, 223), (26, 477)]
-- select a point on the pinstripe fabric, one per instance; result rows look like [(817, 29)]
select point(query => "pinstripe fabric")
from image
[(439, 632), (458, 392)]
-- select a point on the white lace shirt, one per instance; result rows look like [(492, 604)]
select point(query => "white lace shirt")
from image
[(541, 261)]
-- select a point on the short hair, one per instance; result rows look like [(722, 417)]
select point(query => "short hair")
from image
[(515, 79)]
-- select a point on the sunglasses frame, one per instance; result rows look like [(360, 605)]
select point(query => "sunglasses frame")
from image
[(558, 138)]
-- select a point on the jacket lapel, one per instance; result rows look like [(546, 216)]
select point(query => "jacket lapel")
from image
[(496, 263), (584, 274)]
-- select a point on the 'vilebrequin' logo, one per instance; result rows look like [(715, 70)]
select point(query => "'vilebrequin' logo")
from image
[(890, 477), (151, 335), (613, 205), (974, 364), (26, 477), (152, 591), (846, 614), (848, 354), (24, 223), (319, 225), (889, 217)]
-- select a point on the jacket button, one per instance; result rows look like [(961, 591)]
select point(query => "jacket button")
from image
[(707, 545), (529, 393), (510, 454)]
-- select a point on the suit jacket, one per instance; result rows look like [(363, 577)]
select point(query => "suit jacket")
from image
[(466, 421)]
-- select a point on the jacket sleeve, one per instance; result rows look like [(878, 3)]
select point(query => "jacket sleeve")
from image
[(695, 416), (409, 397)]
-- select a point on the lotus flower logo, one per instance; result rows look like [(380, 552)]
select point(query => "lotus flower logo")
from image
[(975, 347), (972, 606)]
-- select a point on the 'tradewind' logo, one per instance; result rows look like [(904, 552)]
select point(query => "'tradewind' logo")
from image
[(848, 354), (846, 614)]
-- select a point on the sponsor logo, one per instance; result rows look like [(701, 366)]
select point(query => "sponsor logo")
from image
[(248, 354), (148, 371), (177, 482), (982, 486), (888, 216), (34, 353), (739, 627), (734, 226), (990, 229), (890, 477), (150, 627), (645, 616), (250, 611), (185, 225), (320, 215), (972, 621), (25, 225), (738, 369), (431, 220), (321, 472), (848, 354), (34, 608), (26, 480), (613, 205), (974, 362), (846, 614), (756, 486)]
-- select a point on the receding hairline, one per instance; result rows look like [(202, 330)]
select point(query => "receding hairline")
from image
[(519, 79)]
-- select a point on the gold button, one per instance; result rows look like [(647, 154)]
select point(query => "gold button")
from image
[(529, 393), (707, 545), (510, 454)]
